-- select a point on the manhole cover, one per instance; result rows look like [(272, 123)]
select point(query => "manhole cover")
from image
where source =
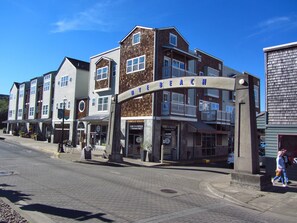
[(168, 191), (6, 173)]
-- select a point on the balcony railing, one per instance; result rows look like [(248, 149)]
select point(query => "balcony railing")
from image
[(217, 116), (169, 72), (171, 108)]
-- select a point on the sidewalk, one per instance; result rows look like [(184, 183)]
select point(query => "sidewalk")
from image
[(277, 201)]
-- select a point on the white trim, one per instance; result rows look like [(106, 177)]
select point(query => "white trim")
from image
[(101, 89), (108, 51), (175, 36), (135, 43), (141, 27), (278, 47)]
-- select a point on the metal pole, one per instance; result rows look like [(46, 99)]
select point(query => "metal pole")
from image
[(162, 152), (61, 149)]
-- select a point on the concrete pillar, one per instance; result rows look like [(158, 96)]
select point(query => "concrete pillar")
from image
[(113, 147), (246, 155)]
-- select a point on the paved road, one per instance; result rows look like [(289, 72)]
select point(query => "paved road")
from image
[(53, 190)]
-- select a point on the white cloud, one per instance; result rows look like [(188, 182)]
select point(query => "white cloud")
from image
[(279, 24), (94, 18)]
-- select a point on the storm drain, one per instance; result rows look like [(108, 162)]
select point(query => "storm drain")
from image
[(6, 173), (168, 191)]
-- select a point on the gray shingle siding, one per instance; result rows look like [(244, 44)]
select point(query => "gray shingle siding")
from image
[(281, 77)]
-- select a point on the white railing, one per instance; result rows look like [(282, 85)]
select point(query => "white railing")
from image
[(169, 72), (178, 109), (216, 115)]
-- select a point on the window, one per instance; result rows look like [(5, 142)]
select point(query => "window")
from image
[(64, 81), (33, 87), (114, 70), (10, 114), (208, 106), (31, 111), (44, 109), (47, 77), (256, 94), (46, 86), (11, 96), (102, 73), (22, 89), (93, 102), (103, 104), (136, 39), (172, 39), (135, 64), (20, 112), (177, 98), (81, 106), (178, 64), (213, 73)]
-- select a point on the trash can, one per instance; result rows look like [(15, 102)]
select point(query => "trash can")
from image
[(86, 153), (144, 155)]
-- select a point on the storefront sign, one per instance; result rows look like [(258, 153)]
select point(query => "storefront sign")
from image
[(182, 82)]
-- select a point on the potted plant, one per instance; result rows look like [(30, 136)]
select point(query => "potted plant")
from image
[(146, 146)]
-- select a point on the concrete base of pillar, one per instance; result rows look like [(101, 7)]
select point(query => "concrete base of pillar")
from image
[(252, 181), (118, 158)]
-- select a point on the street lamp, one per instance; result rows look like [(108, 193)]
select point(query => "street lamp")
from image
[(60, 148)]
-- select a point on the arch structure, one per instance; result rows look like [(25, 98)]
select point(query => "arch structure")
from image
[(245, 148)]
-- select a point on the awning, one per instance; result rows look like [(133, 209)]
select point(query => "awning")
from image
[(201, 127), (95, 118), (10, 121)]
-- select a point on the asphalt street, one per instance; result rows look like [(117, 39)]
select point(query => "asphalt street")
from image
[(47, 189)]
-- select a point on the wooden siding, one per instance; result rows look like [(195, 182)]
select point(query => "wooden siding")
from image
[(261, 121), (271, 137), (83, 113), (143, 106), (281, 80), (105, 83)]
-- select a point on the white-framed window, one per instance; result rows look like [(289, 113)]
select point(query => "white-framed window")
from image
[(11, 96), (46, 86), (10, 113), (33, 87), (256, 94), (208, 106), (44, 109), (20, 112), (81, 106), (172, 39), (93, 102), (31, 111), (178, 64), (136, 38), (102, 73), (135, 64), (102, 103), (47, 77), (22, 90), (178, 98), (213, 73), (64, 81)]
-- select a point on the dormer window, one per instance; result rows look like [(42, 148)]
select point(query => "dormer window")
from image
[(172, 39), (102, 73), (136, 38)]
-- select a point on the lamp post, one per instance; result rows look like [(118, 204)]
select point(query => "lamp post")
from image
[(60, 148)]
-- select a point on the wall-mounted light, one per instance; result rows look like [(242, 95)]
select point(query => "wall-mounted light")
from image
[(241, 82)]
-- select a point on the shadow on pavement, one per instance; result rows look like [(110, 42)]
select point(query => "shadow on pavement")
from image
[(13, 195), (65, 212)]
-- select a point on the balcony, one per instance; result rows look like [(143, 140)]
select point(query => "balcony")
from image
[(171, 108), (170, 72), (217, 116)]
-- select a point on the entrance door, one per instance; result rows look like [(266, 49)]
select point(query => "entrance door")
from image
[(135, 140), (166, 67), (170, 142)]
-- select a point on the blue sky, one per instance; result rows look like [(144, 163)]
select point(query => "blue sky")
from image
[(37, 35)]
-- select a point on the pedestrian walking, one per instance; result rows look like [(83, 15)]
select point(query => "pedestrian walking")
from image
[(280, 167), (288, 163)]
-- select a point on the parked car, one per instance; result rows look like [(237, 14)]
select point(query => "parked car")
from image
[(230, 159)]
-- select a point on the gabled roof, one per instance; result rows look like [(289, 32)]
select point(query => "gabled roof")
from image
[(165, 28), (78, 64), (103, 58), (141, 27), (51, 72), (172, 27), (16, 84)]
